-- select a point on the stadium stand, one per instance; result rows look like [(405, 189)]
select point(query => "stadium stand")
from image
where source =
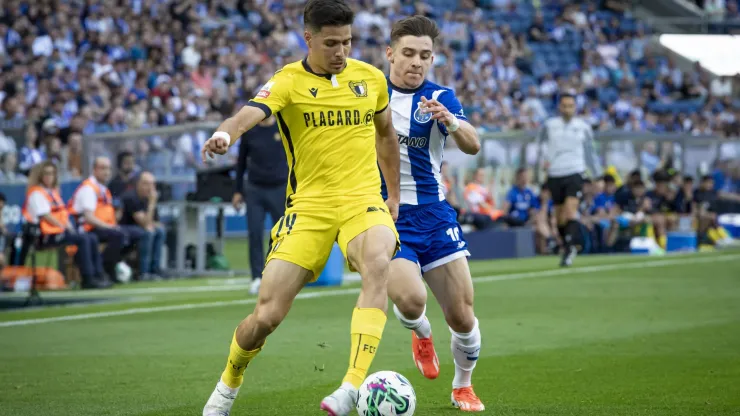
[(71, 69)]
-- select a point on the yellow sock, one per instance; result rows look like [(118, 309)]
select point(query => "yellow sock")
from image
[(239, 359), (722, 233), (713, 235), (662, 241), (366, 331)]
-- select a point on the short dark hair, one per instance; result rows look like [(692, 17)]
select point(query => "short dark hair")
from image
[(609, 179), (414, 26), (661, 176), (521, 170), (320, 13), (688, 178), (566, 95), (587, 181), (707, 178), (2, 197), (638, 184), (122, 156)]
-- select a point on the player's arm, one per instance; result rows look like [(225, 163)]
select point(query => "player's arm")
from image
[(448, 111), (541, 138), (592, 158), (389, 156), (386, 145), (272, 98)]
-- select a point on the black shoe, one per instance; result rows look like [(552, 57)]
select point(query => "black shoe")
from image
[(97, 284), (569, 254)]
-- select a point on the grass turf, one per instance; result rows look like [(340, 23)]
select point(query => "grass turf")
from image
[(614, 336)]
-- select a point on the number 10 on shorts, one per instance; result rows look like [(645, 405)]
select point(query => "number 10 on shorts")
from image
[(454, 233)]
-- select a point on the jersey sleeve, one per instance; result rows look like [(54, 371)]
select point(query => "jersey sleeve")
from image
[(511, 196), (275, 94), (383, 97), (449, 100)]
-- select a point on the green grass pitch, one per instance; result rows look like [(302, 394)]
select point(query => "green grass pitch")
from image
[(611, 336)]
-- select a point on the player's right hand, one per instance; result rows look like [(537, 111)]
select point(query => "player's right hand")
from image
[(214, 145), (237, 200)]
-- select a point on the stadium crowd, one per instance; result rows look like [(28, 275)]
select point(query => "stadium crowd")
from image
[(73, 68)]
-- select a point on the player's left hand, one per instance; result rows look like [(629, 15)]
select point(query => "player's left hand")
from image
[(438, 110), (392, 207)]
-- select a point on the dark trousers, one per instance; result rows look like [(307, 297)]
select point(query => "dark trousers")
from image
[(119, 241), (150, 249), (261, 200), (87, 258)]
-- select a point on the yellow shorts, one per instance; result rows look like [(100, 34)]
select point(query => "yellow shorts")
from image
[(306, 233)]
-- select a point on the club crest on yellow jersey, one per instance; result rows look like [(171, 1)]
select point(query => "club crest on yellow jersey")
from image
[(359, 88)]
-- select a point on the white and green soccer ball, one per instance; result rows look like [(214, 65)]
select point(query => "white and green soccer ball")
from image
[(386, 393), (123, 272)]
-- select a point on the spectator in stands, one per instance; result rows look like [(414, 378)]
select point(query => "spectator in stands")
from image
[(9, 169), (92, 204), (139, 208), (124, 179), (30, 154), (44, 206)]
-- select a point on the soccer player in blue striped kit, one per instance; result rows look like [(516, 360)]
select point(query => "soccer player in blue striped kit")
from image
[(424, 116)]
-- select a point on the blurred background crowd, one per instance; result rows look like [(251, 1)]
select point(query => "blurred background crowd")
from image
[(71, 68), (74, 68)]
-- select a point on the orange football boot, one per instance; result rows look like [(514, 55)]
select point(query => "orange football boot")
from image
[(465, 399), (425, 357)]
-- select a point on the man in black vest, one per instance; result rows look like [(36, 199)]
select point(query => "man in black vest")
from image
[(262, 155)]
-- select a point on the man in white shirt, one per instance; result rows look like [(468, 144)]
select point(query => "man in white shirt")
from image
[(92, 205)]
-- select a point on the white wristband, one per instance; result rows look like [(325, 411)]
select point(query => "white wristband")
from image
[(454, 126), (222, 135)]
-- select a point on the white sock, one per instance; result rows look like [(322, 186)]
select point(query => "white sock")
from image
[(420, 325), (465, 351)]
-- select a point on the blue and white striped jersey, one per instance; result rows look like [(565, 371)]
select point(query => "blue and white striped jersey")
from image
[(421, 140)]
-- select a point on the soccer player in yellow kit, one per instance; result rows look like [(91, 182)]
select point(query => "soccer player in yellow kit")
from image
[(332, 114)]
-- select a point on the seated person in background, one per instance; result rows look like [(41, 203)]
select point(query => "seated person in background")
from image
[(92, 204), (521, 204), (709, 231), (44, 206), (139, 209), (633, 217), (479, 199), (684, 200), (126, 175), (664, 213), (624, 192), (592, 231), (605, 210), (478, 221)]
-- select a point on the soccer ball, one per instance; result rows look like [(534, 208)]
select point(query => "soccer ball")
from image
[(123, 272), (386, 393)]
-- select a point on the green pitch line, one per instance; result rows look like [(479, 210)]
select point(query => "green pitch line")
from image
[(620, 336)]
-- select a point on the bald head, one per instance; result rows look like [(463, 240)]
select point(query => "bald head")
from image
[(145, 184), (102, 169)]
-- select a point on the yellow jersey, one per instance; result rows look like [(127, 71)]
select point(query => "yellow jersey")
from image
[(326, 123)]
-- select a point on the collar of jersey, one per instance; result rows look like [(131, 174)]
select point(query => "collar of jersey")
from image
[(310, 71), (405, 90)]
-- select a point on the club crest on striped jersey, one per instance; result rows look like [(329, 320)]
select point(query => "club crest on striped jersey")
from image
[(421, 117), (359, 88)]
